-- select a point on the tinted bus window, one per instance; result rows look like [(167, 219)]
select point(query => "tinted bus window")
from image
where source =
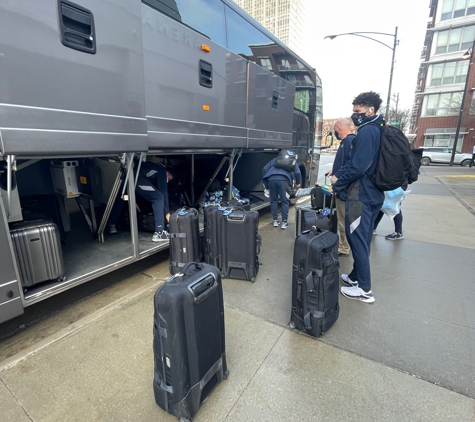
[(243, 38), (205, 16)]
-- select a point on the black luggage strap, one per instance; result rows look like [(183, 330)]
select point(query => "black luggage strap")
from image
[(299, 289), (159, 380), (310, 281), (178, 235), (177, 264), (319, 315), (162, 331)]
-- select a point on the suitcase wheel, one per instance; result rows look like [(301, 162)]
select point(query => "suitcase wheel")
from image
[(253, 279), (292, 325), (184, 420), (226, 375)]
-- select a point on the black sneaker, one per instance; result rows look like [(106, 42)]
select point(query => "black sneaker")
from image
[(394, 236), (162, 236)]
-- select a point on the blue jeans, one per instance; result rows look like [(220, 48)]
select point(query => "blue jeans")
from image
[(149, 192), (359, 226), (277, 189)]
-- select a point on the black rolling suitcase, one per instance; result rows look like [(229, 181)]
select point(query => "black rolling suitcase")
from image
[(211, 249), (240, 243), (188, 340), (315, 282), (184, 238)]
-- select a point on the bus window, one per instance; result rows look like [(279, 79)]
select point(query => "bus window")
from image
[(244, 38), (205, 16)]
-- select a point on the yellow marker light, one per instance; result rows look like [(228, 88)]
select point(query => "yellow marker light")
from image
[(83, 180), (206, 107), (206, 48)]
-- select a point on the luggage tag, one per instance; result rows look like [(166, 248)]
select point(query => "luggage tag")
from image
[(182, 212)]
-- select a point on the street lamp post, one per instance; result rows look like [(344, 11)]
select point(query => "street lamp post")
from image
[(393, 48), (459, 121)]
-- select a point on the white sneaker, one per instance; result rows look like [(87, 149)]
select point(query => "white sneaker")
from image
[(357, 293), (284, 225), (345, 278), (275, 223)]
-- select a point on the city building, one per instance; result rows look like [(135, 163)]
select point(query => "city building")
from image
[(442, 78), (284, 18)]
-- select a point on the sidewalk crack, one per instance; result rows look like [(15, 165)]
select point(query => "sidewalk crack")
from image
[(13, 395), (255, 373)]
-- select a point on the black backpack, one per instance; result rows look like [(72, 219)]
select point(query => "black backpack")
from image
[(286, 160), (395, 160), (416, 165)]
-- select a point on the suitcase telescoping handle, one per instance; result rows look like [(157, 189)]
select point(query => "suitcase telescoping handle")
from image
[(203, 287)]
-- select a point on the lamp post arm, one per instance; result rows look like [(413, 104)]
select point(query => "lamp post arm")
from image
[(369, 38)]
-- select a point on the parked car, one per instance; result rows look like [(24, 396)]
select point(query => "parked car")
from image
[(442, 155)]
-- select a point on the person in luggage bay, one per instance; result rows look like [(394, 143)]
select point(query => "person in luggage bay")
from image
[(363, 200), (343, 132), (275, 179), (152, 185)]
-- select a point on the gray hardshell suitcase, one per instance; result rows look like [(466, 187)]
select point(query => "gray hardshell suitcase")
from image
[(38, 252)]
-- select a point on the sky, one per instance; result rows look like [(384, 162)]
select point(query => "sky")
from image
[(349, 65)]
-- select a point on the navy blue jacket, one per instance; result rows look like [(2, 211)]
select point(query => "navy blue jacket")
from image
[(353, 182), (156, 174), (269, 170), (343, 154)]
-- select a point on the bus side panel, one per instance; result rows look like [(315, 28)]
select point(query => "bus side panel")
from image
[(181, 113), (56, 99), (10, 299), (270, 109)]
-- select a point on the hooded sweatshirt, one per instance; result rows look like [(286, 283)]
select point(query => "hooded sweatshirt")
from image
[(353, 182)]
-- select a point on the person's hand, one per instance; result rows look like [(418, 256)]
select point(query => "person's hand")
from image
[(333, 180), (328, 173), (168, 217), (297, 186), (330, 190)]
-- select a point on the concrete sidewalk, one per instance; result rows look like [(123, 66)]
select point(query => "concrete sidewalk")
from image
[(409, 356)]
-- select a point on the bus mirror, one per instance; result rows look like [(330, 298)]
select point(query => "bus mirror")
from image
[(329, 140)]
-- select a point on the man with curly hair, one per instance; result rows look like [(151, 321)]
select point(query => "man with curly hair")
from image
[(362, 199)]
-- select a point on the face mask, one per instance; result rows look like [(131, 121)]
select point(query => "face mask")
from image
[(337, 135), (358, 118)]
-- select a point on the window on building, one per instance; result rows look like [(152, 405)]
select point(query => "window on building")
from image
[(446, 104), (266, 63), (448, 73), (452, 9), (455, 39), (443, 141)]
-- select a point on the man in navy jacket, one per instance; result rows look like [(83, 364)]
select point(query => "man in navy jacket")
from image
[(276, 179), (362, 199), (343, 132), (152, 185)]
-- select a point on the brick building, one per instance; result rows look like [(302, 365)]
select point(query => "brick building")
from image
[(442, 77)]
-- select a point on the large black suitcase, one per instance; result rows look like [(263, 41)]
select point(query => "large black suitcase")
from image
[(184, 238), (240, 243), (315, 282), (211, 248), (188, 340)]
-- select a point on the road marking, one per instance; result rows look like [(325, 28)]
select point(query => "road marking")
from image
[(458, 176)]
